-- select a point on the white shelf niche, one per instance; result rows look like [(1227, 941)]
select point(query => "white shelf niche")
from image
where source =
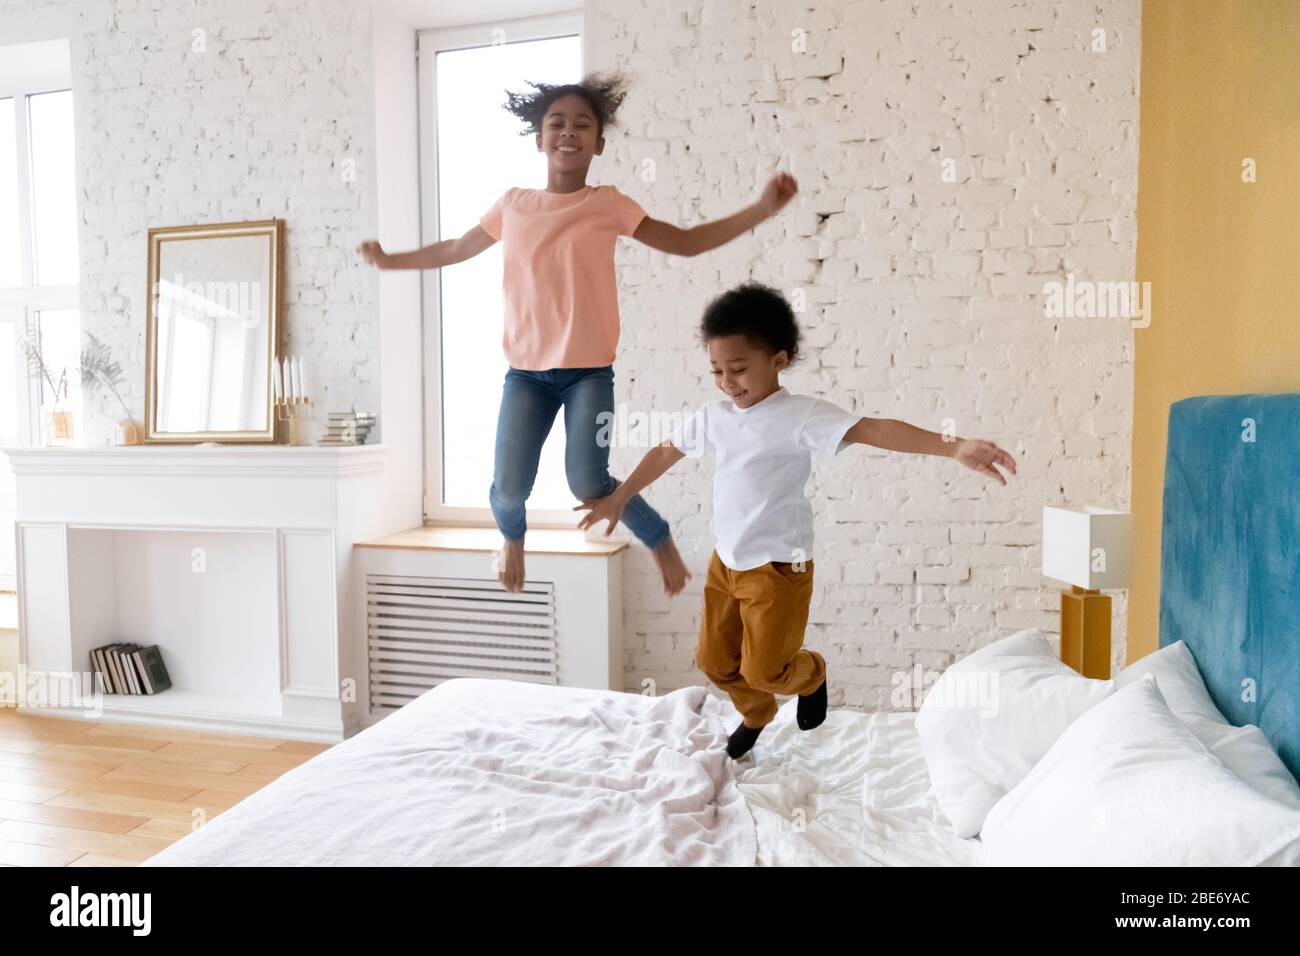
[(207, 598)]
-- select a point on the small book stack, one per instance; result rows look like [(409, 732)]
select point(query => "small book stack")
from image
[(130, 668), (348, 428)]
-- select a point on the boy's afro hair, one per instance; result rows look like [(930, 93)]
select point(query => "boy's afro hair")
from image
[(759, 313), (604, 92)]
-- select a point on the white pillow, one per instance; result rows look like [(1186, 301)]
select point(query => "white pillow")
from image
[(990, 717), (1247, 753), (1183, 689), (1243, 750), (1128, 784)]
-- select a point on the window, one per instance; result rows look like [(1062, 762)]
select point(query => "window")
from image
[(11, 257), (472, 152), (54, 188), (38, 239)]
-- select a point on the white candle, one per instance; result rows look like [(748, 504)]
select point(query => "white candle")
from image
[(297, 381), (277, 385)]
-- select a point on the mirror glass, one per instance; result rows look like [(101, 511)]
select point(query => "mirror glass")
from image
[(212, 334)]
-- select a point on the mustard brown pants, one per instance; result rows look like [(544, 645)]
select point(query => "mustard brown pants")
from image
[(751, 637)]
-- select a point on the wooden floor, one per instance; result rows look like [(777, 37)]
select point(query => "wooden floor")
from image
[(85, 793)]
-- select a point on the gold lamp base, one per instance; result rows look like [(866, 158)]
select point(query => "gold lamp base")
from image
[(1085, 632)]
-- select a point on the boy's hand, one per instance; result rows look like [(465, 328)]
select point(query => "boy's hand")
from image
[(780, 189), (981, 456), (610, 508), (373, 253)]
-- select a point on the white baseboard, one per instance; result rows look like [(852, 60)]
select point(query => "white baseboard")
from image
[(272, 727)]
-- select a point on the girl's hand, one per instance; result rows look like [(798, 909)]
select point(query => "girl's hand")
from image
[(610, 508), (981, 456), (373, 253), (780, 189)]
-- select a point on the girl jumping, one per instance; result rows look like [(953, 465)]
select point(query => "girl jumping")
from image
[(561, 306)]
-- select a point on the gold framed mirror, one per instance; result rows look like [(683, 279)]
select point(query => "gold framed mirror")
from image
[(212, 332)]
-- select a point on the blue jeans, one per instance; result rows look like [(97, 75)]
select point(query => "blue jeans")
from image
[(529, 403)]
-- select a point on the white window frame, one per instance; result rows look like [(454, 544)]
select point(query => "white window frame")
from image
[(19, 305), (429, 44)]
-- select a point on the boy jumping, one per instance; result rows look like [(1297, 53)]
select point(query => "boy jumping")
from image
[(759, 583)]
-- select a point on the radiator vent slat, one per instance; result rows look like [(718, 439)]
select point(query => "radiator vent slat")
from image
[(423, 631), (423, 651), (397, 612)]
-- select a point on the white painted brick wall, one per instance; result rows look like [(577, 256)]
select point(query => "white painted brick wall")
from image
[(924, 296), (268, 121)]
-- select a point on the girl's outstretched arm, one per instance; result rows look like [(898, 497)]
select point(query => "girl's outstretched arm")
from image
[(676, 241), (433, 256), (894, 435)]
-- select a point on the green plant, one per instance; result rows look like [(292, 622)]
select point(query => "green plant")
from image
[(36, 364), (99, 368)]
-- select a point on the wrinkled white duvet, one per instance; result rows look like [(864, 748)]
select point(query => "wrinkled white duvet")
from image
[(853, 792), (492, 773)]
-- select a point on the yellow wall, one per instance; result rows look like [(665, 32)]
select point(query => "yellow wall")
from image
[(1220, 83)]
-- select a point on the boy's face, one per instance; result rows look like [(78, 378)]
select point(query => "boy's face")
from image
[(569, 136), (745, 370)]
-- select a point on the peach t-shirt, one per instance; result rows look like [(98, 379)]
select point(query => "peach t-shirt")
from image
[(561, 298)]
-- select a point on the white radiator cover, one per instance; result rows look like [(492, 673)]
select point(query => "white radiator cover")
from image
[(431, 616), (422, 631)]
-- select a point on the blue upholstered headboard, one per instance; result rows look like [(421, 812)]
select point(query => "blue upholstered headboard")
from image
[(1230, 555)]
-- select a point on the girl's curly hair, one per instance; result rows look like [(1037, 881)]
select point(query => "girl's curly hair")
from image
[(604, 92)]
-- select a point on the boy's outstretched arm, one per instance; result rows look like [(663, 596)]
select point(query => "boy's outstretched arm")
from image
[(676, 241), (433, 256), (895, 435), (610, 508)]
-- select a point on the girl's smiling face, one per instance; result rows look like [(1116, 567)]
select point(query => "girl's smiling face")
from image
[(570, 135)]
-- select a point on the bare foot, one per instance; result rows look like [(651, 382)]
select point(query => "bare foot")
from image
[(671, 566), (510, 566)]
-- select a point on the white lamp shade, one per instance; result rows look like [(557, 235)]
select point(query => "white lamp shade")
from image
[(1087, 547)]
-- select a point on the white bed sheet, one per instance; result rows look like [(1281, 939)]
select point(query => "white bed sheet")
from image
[(492, 772), (479, 772), (858, 787)]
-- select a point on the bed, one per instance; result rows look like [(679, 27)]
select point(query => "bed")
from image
[(488, 772), (495, 772)]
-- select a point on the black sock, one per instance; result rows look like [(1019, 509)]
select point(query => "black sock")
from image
[(741, 739), (812, 709)]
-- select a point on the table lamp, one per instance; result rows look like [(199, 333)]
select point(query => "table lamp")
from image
[(1087, 548)]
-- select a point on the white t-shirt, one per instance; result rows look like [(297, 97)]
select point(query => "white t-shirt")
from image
[(764, 457)]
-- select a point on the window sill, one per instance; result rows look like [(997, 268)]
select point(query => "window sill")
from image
[(488, 540)]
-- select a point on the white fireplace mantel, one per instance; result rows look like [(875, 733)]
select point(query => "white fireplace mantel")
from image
[(234, 559), (198, 459)]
